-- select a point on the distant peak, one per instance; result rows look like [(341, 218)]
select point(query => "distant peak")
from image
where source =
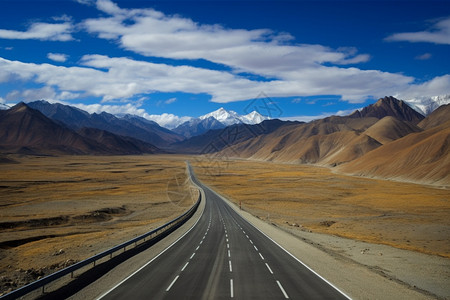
[(20, 106)]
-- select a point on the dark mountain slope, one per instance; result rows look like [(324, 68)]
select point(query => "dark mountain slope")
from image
[(132, 126), (389, 106), (28, 131)]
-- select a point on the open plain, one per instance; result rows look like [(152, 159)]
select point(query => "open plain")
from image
[(403, 215), (59, 210)]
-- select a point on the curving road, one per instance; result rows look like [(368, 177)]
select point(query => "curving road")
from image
[(223, 257)]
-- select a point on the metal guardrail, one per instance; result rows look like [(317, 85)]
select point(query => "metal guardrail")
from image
[(41, 283)]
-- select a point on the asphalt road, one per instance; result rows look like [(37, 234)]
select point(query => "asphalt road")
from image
[(223, 257)]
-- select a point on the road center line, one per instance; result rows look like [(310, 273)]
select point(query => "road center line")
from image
[(229, 254), (262, 257), (192, 255), (231, 289), (184, 267), (284, 292), (172, 283), (251, 242), (270, 270), (231, 269), (255, 248), (228, 246), (197, 247)]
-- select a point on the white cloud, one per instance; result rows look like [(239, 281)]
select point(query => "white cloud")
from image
[(44, 93), (63, 18), (299, 70), (57, 57), (170, 101), (296, 70), (123, 78), (438, 34), (317, 117), (437, 86), (169, 121), (424, 56), (41, 31), (258, 51)]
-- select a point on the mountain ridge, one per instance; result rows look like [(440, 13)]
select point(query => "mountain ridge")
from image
[(217, 119), (28, 131), (132, 126)]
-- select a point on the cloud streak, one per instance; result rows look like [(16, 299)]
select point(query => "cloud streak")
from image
[(57, 57), (41, 31), (438, 34)]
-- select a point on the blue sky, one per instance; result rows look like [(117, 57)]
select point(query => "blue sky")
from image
[(165, 60)]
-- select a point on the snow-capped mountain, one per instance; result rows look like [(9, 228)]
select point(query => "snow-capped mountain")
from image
[(426, 105), (217, 119), (253, 118), (4, 106), (229, 117)]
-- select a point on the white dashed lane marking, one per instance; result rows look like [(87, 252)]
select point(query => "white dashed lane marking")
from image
[(170, 286), (184, 267), (282, 290)]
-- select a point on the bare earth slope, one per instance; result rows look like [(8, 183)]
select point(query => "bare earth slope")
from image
[(421, 157), (390, 129), (436, 118), (330, 141)]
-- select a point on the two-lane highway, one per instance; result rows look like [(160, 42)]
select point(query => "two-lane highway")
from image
[(223, 257)]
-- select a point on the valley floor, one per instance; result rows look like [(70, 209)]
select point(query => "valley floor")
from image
[(402, 215), (59, 209), (56, 211)]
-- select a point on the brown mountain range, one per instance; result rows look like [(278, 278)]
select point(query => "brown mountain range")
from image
[(27, 131), (387, 139)]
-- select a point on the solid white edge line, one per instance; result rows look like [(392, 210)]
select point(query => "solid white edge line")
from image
[(173, 282), (231, 289), (293, 256), (270, 270), (149, 262), (281, 288)]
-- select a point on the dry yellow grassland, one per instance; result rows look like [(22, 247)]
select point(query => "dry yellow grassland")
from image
[(403, 215), (55, 209)]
